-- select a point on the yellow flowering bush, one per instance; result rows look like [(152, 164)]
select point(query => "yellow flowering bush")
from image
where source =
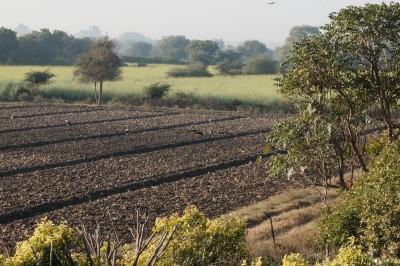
[(46, 234)]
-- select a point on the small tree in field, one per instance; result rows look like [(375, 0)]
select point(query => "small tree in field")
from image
[(100, 64), (37, 78)]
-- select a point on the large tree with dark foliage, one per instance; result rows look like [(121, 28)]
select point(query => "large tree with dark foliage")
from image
[(100, 64), (253, 48), (173, 47), (204, 52), (345, 82), (49, 48), (8, 45)]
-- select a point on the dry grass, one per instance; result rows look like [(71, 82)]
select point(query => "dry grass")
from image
[(294, 216)]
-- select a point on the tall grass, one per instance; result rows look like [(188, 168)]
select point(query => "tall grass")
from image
[(254, 90)]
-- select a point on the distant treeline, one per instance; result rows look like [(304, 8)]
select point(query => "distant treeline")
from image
[(40, 47)]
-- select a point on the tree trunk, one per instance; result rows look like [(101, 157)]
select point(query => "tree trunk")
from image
[(95, 93), (100, 92)]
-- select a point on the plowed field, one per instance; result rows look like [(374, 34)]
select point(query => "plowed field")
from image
[(87, 164)]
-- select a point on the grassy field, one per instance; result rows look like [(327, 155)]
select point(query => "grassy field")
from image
[(252, 89)]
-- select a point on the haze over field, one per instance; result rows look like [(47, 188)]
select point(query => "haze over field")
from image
[(233, 21)]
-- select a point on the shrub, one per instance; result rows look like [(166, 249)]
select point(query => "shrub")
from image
[(228, 67), (294, 260), (261, 65), (24, 97), (46, 236), (371, 211), (199, 241), (156, 90), (351, 255), (343, 222), (193, 70), (35, 78)]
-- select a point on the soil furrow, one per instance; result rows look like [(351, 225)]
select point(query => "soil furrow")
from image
[(124, 153), (155, 181), (52, 113), (85, 123), (102, 136)]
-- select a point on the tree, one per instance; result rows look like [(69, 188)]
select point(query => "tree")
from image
[(49, 48), (348, 76), (261, 64), (173, 47), (296, 34), (303, 152), (37, 78), (8, 45), (98, 65), (230, 62), (254, 48), (204, 52)]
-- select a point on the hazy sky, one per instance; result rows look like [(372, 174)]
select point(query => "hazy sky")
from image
[(233, 21)]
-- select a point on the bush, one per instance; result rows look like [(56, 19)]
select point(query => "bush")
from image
[(199, 241), (261, 65), (24, 97), (156, 90), (228, 67), (46, 236), (351, 255), (36, 78), (371, 211), (194, 70), (294, 260), (343, 222)]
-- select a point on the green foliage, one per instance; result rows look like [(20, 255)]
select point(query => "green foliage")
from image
[(100, 64), (253, 48), (46, 234), (229, 62), (36, 78), (12, 90), (49, 48), (193, 70), (173, 47), (199, 241), (8, 45), (302, 151), (296, 34), (379, 201), (203, 52), (156, 90), (337, 226), (371, 211), (351, 255), (261, 65)]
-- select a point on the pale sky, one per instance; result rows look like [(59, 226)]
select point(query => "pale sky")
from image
[(234, 21)]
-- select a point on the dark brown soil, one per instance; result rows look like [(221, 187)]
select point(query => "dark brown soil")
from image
[(91, 168)]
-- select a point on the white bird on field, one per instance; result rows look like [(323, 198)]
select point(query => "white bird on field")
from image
[(68, 122)]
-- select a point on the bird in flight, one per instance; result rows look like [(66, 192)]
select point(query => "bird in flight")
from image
[(271, 3)]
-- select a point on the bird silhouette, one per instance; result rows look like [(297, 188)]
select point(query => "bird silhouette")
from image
[(271, 3), (68, 122)]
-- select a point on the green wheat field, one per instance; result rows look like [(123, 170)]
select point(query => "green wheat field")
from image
[(248, 89)]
